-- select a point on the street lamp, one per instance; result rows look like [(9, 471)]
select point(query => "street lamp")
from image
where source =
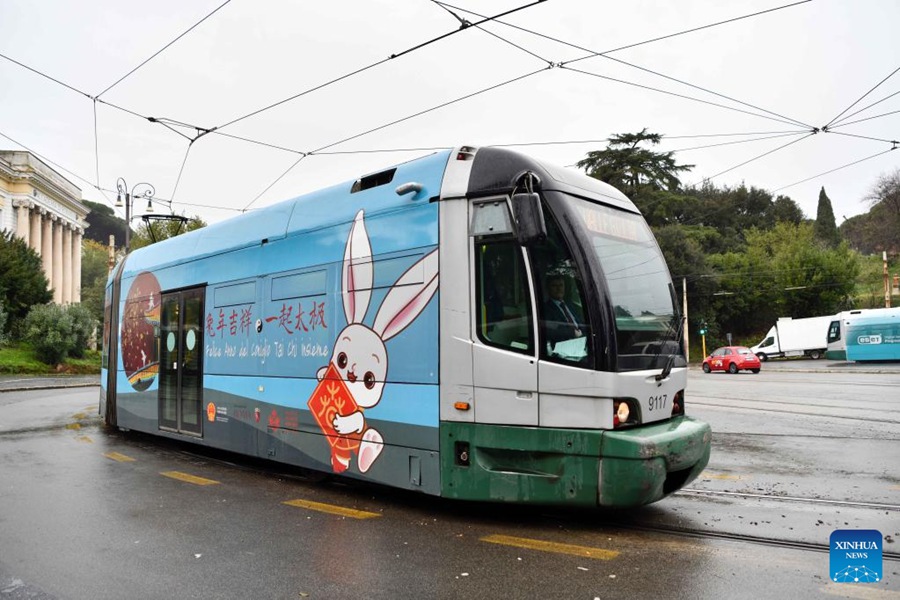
[(125, 199)]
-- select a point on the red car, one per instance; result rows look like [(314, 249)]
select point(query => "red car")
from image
[(731, 359)]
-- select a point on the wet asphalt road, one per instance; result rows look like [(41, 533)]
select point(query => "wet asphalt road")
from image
[(87, 513)]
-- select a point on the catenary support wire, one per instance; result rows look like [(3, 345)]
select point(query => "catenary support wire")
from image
[(161, 50)]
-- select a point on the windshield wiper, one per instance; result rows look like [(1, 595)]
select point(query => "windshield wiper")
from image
[(670, 362)]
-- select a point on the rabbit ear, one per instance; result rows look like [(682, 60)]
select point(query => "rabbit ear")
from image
[(408, 297), (356, 274)]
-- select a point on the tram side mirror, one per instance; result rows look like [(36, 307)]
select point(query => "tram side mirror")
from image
[(529, 216)]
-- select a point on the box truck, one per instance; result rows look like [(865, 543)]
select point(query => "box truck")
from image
[(795, 337)]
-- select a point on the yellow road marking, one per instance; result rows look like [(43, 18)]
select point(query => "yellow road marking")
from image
[(706, 475), (84, 438), (332, 509), (73, 426), (582, 551), (895, 487), (189, 478), (860, 592), (118, 457), (79, 416)]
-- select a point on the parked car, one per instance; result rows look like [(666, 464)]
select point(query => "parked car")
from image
[(731, 359)]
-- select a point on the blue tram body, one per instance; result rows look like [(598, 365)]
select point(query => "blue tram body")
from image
[(394, 329)]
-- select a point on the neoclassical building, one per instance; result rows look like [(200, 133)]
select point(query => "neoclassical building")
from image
[(44, 209)]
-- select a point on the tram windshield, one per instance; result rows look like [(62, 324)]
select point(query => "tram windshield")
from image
[(638, 281)]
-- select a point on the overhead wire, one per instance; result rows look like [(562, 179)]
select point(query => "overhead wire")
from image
[(371, 66), (683, 96), (856, 162), (755, 158), (863, 137), (731, 143), (833, 127), (45, 76), (861, 97), (181, 170), (604, 54), (703, 89), (433, 108), (380, 127), (277, 179), (96, 142), (54, 163), (836, 123), (161, 50), (692, 30), (324, 151)]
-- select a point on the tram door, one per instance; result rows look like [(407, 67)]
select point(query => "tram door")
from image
[(181, 362)]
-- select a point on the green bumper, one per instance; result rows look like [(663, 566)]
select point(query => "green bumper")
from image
[(571, 466)]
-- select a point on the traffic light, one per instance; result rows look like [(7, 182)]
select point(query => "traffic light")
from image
[(703, 328)]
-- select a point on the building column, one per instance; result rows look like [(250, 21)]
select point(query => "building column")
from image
[(56, 281), (76, 264), (22, 226), (36, 217), (67, 264), (47, 248)]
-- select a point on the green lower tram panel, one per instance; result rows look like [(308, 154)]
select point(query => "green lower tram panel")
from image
[(628, 467)]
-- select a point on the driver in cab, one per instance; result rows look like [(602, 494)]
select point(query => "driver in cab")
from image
[(563, 320)]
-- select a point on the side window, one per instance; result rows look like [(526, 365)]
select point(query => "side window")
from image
[(767, 342), (503, 301), (564, 324)]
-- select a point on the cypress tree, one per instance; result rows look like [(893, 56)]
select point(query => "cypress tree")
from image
[(826, 230)]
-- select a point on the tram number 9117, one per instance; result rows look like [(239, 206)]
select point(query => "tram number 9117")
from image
[(659, 402)]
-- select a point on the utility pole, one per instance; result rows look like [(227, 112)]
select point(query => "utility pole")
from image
[(887, 281), (687, 344)]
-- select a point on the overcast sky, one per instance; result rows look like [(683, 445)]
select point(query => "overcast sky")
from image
[(796, 68)]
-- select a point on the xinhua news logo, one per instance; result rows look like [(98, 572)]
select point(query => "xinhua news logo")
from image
[(856, 556)]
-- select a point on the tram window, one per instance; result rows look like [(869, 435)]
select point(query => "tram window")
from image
[(503, 300), (564, 322), (834, 331), (491, 218)]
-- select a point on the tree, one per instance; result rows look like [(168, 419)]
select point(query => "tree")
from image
[(786, 210), (631, 168), (886, 191), (94, 272), (783, 273), (22, 280), (103, 222), (149, 232), (826, 229), (880, 229)]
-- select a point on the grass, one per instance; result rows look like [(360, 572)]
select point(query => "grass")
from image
[(18, 358), (870, 283)]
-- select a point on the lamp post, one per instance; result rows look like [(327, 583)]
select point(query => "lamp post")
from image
[(126, 198)]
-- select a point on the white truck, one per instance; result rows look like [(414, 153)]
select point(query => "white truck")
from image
[(795, 337)]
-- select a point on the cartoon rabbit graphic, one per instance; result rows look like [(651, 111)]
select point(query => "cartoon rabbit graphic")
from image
[(360, 356)]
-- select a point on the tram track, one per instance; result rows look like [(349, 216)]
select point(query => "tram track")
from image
[(770, 410), (737, 537), (793, 499)]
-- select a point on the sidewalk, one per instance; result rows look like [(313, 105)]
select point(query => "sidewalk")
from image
[(11, 383)]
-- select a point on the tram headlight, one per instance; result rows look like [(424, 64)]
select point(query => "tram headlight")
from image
[(623, 414), (678, 403)]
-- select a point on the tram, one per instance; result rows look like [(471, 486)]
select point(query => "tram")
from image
[(473, 324), (865, 334)]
